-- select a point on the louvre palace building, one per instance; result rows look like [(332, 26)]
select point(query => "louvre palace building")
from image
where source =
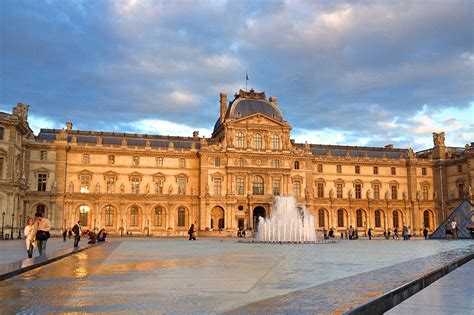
[(158, 185)]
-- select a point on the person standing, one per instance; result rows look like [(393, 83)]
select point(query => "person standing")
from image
[(191, 232), (425, 233), (64, 235), (454, 229), (76, 229), (29, 237), (370, 233), (42, 227)]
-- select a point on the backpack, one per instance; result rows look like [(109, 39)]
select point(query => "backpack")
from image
[(75, 229), (42, 235)]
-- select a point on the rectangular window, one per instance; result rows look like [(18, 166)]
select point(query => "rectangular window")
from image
[(357, 169), (217, 186), (358, 191), (297, 188), (423, 171), (394, 192), (111, 159), (159, 161), (135, 185), (425, 190), (338, 169), (1, 133), (159, 186), (85, 159), (42, 179), (158, 217), (297, 165), (461, 191), (393, 171), (43, 155), (376, 192), (339, 190), (276, 163), (376, 170), (276, 187), (320, 168), (320, 190), (110, 182), (240, 186), (85, 184), (459, 168), (181, 217), (182, 163), (182, 186), (217, 161)]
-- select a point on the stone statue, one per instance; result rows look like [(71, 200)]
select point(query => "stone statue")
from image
[(170, 189), (435, 197), (203, 141), (418, 195), (267, 140), (71, 187), (192, 190), (147, 188), (307, 147), (331, 193), (122, 188), (469, 191), (207, 188), (170, 144), (349, 194), (404, 195), (147, 143), (387, 195), (123, 142), (97, 188), (368, 194), (438, 139), (249, 140), (99, 140), (307, 193)]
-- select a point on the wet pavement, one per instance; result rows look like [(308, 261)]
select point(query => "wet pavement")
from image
[(210, 275), (15, 250)]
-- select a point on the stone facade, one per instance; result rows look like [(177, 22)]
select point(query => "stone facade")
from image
[(159, 185)]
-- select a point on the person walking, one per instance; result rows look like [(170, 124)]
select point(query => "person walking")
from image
[(42, 228), (425, 233), (370, 233), (64, 235), (192, 233), (448, 230), (76, 229), (29, 237)]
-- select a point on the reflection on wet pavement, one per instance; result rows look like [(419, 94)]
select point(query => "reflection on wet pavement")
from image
[(206, 276)]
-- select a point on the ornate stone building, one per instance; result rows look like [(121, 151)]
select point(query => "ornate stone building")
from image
[(159, 185)]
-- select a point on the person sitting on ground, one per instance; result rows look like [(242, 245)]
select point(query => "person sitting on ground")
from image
[(92, 236), (102, 235)]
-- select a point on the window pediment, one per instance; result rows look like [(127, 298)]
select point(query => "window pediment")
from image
[(320, 181), (181, 175), (136, 175), (376, 182), (159, 175), (296, 178), (85, 173), (358, 182), (110, 174), (425, 183), (42, 170), (394, 183), (460, 181), (339, 181), (217, 175)]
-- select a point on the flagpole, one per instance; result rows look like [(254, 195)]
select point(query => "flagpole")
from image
[(246, 80)]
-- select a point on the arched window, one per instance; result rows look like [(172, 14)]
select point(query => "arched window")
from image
[(134, 216), (158, 217), (378, 220), (297, 165), (258, 186), (181, 217), (340, 218), (395, 219), (275, 142), (84, 215), (257, 141), (109, 215), (321, 218), (41, 209), (239, 140), (426, 219), (359, 218)]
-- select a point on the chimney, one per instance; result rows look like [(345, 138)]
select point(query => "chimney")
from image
[(69, 126), (223, 106), (273, 100)]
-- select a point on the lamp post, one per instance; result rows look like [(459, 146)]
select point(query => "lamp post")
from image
[(148, 227), (11, 235), (19, 228), (3, 224)]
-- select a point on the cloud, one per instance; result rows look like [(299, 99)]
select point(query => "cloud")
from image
[(363, 72)]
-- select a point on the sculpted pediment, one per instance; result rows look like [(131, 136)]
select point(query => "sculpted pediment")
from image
[(258, 119)]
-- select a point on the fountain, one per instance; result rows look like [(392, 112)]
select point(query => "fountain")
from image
[(287, 223)]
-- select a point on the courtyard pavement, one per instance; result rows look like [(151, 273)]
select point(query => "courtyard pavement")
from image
[(15, 250), (147, 275)]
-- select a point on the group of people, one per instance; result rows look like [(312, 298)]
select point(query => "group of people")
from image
[(451, 230), (37, 234), (78, 232)]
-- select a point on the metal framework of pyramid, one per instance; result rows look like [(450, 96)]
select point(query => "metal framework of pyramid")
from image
[(463, 215)]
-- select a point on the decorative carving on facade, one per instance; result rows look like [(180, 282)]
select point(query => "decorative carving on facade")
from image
[(438, 139)]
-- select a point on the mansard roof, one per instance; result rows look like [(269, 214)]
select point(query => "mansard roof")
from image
[(356, 151)]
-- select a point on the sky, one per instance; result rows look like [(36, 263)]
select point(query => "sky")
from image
[(366, 73)]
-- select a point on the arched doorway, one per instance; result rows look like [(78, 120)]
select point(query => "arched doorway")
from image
[(428, 220), (217, 218), (258, 212)]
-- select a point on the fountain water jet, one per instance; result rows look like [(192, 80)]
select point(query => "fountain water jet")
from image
[(287, 223)]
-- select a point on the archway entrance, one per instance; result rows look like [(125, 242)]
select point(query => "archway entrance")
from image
[(217, 218), (257, 213)]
